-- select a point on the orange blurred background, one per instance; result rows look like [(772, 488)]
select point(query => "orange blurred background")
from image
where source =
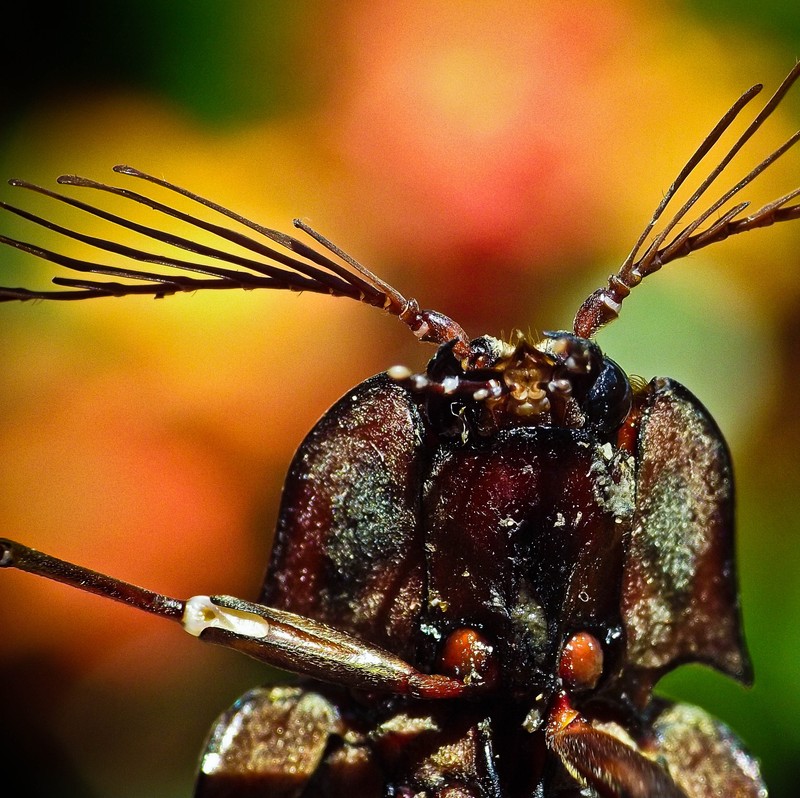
[(496, 161)]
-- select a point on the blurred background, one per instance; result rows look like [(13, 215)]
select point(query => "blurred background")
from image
[(496, 161)]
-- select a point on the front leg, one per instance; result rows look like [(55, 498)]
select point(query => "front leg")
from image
[(274, 636), (685, 753)]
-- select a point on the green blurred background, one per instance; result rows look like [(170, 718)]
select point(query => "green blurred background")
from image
[(494, 160)]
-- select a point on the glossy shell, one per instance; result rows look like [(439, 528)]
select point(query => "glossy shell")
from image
[(403, 536)]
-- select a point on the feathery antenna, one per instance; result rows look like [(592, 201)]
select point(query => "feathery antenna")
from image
[(290, 264), (604, 304), (278, 261)]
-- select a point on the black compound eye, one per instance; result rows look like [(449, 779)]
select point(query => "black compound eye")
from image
[(444, 363), (609, 399)]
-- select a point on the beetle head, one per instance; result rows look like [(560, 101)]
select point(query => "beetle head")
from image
[(560, 380)]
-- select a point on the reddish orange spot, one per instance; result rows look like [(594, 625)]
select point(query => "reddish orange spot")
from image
[(468, 656), (581, 662)]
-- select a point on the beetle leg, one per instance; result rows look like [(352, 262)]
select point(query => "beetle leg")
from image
[(301, 645), (279, 638), (604, 762), (685, 754)]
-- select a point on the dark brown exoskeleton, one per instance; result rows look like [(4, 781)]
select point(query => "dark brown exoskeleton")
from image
[(481, 570)]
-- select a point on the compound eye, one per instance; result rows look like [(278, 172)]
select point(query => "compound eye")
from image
[(444, 363), (609, 400)]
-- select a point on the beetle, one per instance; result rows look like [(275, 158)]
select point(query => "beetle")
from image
[(482, 570)]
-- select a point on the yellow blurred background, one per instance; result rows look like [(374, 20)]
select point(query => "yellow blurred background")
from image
[(496, 161)]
